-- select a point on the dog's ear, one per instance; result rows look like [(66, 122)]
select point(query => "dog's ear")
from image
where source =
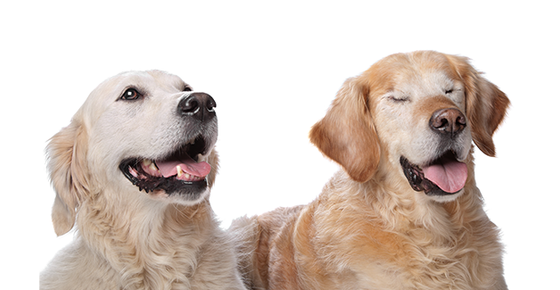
[(213, 160), (66, 153), (486, 104), (486, 111), (347, 135)]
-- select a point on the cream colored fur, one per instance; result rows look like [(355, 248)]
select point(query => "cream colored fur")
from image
[(126, 238), (369, 229)]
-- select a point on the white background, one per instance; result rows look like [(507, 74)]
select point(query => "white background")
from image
[(273, 70)]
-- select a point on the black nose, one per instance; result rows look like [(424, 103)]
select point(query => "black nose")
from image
[(198, 105), (448, 121)]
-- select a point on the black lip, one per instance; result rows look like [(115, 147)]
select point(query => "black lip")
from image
[(418, 182), (171, 185)]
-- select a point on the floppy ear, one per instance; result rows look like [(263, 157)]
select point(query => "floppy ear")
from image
[(486, 105), (66, 153), (486, 110), (346, 134), (213, 160)]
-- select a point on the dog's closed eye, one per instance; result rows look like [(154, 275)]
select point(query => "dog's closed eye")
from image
[(399, 99)]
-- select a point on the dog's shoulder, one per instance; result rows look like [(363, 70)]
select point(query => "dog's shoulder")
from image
[(76, 267)]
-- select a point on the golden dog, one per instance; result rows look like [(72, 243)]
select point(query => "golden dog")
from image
[(139, 131), (405, 212)]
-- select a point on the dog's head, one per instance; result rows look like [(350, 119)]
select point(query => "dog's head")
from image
[(137, 131), (418, 112)]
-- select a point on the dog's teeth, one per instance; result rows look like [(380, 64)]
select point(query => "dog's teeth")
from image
[(147, 162), (132, 172), (182, 174), (179, 171), (153, 167)]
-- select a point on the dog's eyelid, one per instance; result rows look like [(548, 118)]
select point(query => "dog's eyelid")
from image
[(131, 94), (398, 99)]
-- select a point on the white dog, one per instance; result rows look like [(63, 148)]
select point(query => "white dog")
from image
[(133, 171)]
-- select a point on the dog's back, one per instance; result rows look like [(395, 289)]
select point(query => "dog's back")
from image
[(256, 239)]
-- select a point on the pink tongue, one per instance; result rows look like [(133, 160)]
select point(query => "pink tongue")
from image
[(449, 176), (188, 165)]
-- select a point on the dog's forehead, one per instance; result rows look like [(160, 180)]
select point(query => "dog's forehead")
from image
[(155, 83), (153, 79), (422, 72), (151, 82), (424, 81)]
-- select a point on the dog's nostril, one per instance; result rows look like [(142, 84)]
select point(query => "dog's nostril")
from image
[(198, 105), (190, 105), (448, 121), (211, 104)]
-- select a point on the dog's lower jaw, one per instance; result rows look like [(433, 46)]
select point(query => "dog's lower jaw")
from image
[(447, 197), (417, 181), (187, 199), (170, 189)]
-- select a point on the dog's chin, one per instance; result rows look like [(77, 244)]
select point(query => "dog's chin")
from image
[(442, 179), (181, 198), (187, 193), (446, 197)]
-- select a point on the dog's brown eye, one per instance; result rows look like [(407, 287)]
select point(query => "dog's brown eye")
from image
[(447, 92), (130, 94), (187, 89)]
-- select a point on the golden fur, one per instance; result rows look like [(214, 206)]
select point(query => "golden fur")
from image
[(126, 238), (369, 229)]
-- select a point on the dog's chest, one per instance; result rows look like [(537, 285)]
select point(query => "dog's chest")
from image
[(159, 269), (397, 263), (155, 262)]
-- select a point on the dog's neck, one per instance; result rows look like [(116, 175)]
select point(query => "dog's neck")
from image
[(152, 236)]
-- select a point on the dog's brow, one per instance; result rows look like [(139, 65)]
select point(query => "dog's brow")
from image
[(184, 86)]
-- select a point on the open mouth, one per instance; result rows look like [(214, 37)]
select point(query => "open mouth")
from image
[(443, 176), (180, 172)]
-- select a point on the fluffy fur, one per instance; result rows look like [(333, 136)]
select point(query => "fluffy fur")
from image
[(127, 238), (369, 229)]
